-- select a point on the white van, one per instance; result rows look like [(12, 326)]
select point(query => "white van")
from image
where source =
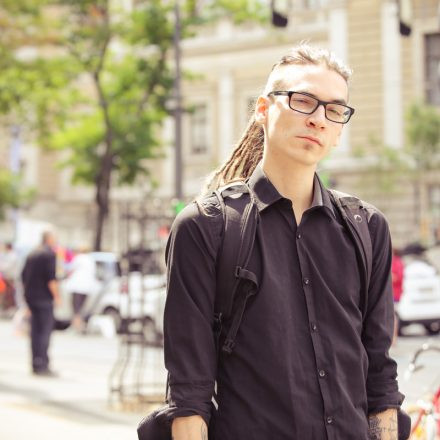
[(420, 300)]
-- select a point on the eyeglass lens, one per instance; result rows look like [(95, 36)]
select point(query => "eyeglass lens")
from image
[(307, 104)]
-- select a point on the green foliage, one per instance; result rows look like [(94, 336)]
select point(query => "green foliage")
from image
[(123, 101), (387, 164), (423, 135), (97, 79), (12, 194), (240, 11), (421, 152)]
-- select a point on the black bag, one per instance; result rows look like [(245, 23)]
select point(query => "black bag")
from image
[(155, 426)]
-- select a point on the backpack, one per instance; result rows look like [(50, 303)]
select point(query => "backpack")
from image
[(236, 283)]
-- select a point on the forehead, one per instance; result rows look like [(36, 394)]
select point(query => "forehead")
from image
[(318, 80)]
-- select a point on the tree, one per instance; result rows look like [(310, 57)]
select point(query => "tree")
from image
[(112, 126), (397, 169), (101, 95), (22, 80), (12, 193), (423, 136), (422, 146)]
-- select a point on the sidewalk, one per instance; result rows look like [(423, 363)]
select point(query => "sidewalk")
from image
[(73, 406)]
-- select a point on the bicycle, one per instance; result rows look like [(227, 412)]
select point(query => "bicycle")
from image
[(425, 414)]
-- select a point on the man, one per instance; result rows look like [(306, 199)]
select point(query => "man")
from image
[(306, 364), (41, 292), (80, 283)]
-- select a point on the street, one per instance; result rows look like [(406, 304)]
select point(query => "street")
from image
[(75, 405)]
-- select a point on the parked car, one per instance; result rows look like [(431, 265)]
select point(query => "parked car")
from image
[(139, 301), (420, 300), (125, 299), (106, 268)]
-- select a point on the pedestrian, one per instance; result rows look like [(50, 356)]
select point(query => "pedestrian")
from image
[(397, 273), (306, 365), (9, 272), (41, 293), (80, 283)]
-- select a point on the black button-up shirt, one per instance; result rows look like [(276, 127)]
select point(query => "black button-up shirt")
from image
[(305, 365)]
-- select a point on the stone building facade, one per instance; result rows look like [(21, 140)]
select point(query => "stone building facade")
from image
[(231, 64)]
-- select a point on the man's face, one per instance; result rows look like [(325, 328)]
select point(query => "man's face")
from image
[(291, 136)]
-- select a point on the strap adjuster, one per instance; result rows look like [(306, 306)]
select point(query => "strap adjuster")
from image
[(228, 346)]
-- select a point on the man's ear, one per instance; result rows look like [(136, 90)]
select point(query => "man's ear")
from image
[(261, 108)]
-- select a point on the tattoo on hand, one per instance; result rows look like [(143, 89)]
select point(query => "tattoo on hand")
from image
[(375, 432), (383, 429)]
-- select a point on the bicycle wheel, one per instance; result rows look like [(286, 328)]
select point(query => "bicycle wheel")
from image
[(423, 425)]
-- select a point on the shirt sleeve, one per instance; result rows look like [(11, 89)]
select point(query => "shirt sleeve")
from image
[(382, 387), (190, 352)]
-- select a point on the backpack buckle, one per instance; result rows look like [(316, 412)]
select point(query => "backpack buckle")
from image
[(228, 346)]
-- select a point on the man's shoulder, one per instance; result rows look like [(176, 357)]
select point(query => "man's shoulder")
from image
[(41, 253), (201, 212)]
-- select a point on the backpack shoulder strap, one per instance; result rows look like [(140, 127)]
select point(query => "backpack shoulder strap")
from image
[(235, 283), (356, 215)]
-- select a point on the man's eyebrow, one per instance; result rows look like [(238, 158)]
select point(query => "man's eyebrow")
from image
[(336, 101)]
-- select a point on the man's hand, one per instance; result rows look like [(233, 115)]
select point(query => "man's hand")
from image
[(53, 287), (383, 426), (189, 428)]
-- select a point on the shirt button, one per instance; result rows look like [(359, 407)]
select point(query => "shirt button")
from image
[(306, 281), (329, 420), (298, 236), (321, 373), (314, 326)]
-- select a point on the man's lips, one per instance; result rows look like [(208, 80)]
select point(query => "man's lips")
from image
[(312, 139)]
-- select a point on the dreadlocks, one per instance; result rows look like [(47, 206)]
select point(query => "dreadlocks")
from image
[(249, 150)]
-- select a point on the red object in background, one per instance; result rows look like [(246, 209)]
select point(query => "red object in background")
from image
[(397, 276), (164, 231), (2, 284)]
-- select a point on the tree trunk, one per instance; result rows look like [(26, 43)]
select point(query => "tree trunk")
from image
[(102, 200), (103, 178)]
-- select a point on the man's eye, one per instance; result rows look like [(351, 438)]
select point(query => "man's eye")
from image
[(302, 100), (335, 111)]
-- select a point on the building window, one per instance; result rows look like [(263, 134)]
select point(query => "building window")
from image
[(432, 68), (199, 129)]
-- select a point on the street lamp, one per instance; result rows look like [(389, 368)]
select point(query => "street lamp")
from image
[(178, 193)]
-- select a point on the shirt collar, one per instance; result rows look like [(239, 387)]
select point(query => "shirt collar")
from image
[(266, 194)]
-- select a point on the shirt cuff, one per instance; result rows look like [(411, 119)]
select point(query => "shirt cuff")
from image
[(380, 404), (191, 399)]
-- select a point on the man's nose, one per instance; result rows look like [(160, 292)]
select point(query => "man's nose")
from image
[(317, 118)]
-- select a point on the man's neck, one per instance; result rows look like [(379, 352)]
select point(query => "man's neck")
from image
[(293, 181)]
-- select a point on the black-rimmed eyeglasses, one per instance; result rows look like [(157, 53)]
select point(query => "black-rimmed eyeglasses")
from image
[(307, 104)]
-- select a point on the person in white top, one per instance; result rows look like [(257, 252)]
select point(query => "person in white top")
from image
[(80, 282)]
